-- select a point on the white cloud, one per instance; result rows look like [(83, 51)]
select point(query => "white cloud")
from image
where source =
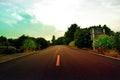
[(17, 16), (34, 21), (59, 13), (62, 13)]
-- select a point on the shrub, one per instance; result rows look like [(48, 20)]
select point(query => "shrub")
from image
[(72, 43), (10, 50), (117, 41), (29, 45), (7, 50), (104, 41)]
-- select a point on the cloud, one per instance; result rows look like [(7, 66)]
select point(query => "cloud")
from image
[(55, 12), (18, 17), (48, 17), (20, 22)]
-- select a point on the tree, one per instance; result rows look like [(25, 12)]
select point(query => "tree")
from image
[(29, 45), (53, 40), (59, 41), (77, 34), (83, 38), (3, 41), (117, 41), (10, 50), (19, 42), (69, 35), (41, 43), (11, 42), (108, 31)]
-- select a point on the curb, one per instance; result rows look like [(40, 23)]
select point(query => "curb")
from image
[(17, 57), (110, 57), (106, 56), (103, 55)]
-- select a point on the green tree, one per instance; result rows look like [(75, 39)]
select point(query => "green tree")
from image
[(108, 31), (10, 50), (3, 41), (11, 42), (77, 34), (69, 35), (59, 41), (83, 38), (53, 40), (100, 30), (117, 41), (29, 45), (41, 43), (19, 42)]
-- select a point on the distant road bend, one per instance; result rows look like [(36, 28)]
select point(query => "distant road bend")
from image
[(61, 63)]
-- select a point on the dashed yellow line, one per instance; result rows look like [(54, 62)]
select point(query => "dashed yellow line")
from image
[(58, 61)]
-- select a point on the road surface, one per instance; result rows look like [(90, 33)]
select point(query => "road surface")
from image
[(61, 63)]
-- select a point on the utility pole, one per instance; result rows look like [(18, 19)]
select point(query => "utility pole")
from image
[(93, 37), (103, 31)]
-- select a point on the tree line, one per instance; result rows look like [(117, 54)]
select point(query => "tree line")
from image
[(22, 44), (104, 37)]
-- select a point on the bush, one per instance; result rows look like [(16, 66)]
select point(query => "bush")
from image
[(82, 38), (10, 50), (29, 45), (7, 50), (117, 41), (104, 41), (72, 43)]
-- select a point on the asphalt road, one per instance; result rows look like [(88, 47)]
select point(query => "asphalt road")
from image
[(61, 63)]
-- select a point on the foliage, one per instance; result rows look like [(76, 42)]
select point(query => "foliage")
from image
[(29, 44), (11, 42), (72, 43), (83, 38), (108, 31), (69, 35), (99, 30), (19, 42), (3, 41), (59, 41), (22, 43), (10, 50), (104, 41), (53, 40), (80, 37), (117, 41), (41, 43), (7, 50), (77, 34)]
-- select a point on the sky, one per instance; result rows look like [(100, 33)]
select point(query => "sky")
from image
[(45, 18)]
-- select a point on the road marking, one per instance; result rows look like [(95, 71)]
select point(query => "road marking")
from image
[(58, 61)]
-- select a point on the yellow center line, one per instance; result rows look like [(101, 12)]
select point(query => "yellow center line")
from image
[(58, 61)]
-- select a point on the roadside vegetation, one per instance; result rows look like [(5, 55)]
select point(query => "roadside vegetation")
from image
[(21, 44), (105, 41)]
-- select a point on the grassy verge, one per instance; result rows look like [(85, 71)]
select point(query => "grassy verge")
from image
[(4, 58), (110, 53)]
